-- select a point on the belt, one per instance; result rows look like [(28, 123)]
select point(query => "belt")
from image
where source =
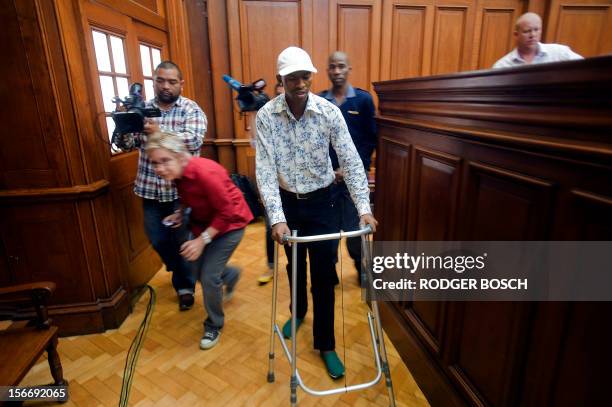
[(308, 195)]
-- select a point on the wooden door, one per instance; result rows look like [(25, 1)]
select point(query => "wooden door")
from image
[(132, 50)]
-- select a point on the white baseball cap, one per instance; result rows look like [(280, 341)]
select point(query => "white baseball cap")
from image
[(294, 59)]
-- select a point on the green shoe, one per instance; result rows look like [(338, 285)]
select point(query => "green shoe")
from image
[(334, 366), (287, 327)]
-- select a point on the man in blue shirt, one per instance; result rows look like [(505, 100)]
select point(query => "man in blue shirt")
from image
[(357, 107)]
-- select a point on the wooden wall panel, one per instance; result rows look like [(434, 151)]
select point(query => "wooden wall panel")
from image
[(62, 261), (588, 220), (385, 39), (393, 157), (32, 128), (504, 205), (434, 195), (218, 35), (449, 39), (585, 348), (428, 317), (355, 29), (495, 37), (524, 175), (266, 28), (406, 38), (198, 16), (585, 25), (485, 351), (260, 30)]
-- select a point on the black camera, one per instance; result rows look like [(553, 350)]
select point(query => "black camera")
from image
[(131, 118), (250, 97)]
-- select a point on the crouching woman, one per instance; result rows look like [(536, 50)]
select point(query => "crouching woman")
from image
[(218, 217)]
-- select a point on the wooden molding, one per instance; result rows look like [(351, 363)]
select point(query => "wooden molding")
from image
[(105, 313), (538, 107), (550, 144), (539, 79), (77, 192), (137, 11), (242, 142), (223, 142)]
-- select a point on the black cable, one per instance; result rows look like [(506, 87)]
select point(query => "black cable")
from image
[(134, 351)]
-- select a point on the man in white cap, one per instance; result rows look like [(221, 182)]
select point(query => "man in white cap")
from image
[(529, 49), (294, 174)]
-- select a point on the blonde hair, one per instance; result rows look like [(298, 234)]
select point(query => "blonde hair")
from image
[(165, 139)]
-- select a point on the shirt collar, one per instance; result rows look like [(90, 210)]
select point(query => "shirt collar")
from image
[(540, 52), (350, 93), (280, 104)]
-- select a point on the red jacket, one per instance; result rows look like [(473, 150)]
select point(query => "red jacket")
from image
[(214, 200)]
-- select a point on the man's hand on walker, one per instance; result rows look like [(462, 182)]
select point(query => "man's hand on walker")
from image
[(279, 230), (368, 219)]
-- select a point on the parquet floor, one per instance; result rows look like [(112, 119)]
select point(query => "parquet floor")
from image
[(172, 370)]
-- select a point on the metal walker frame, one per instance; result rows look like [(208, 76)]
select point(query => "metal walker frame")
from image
[(376, 331)]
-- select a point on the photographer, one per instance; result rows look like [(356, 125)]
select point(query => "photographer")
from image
[(185, 118)]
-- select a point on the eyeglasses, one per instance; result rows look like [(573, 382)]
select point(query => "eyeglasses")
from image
[(165, 162)]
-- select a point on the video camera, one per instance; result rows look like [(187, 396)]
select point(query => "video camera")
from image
[(250, 97), (131, 118)]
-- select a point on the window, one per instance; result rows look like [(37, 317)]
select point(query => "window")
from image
[(112, 71), (150, 57)]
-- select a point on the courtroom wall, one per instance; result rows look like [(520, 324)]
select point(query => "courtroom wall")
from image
[(385, 39)]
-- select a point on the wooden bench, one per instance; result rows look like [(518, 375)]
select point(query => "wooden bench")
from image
[(23, 342)]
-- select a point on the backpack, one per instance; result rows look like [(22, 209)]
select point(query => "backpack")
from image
[(248, 192)]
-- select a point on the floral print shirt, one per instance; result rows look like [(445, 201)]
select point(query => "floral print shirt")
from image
[(294, 154)]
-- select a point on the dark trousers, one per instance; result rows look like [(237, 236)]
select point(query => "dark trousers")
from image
[(167, 242), (314, 216), (348, 220)]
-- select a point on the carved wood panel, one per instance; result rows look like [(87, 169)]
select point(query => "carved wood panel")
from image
[(502, 205), (493, 36), (354, 27), (406, 38), (32, 127), (392, 200), (535, 180), (584, 25), (484, 350), (434, 194)]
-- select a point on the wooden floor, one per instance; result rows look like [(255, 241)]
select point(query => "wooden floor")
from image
[(172, 370)]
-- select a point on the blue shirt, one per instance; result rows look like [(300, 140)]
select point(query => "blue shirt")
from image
[(358, 111)]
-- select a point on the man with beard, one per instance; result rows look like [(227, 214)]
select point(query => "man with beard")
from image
[(529, 49), (159, 197), (358, 110)]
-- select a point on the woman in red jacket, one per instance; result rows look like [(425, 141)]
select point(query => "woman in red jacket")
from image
[(218, 217)]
